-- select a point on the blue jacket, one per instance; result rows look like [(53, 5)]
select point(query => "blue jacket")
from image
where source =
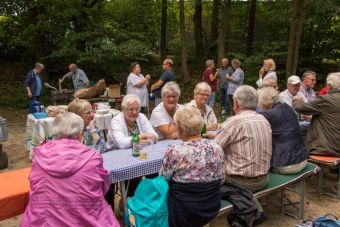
[(31, 81), (287, 141)]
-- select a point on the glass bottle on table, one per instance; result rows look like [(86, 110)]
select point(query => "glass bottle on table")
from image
[(204, 128), (135, 142), (223, 115)]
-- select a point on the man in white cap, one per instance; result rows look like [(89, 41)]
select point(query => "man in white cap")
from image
[(293, 89)]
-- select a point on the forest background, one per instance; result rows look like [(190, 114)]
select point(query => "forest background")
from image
[(103, 37)]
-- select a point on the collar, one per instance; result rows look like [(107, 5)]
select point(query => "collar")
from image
[(245, 112)]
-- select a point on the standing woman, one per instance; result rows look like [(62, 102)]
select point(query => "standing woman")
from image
[(268, 69), (137, 84), (210, 78)]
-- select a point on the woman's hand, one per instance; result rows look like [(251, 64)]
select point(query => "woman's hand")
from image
[(212, 127), (148, 136), (261, 72)]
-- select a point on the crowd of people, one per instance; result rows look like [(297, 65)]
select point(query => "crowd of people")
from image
[(261, 134)]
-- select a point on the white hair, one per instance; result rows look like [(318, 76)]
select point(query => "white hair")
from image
[(333, 79), (188, 120), (209, 62), (268, 96), (67, 125), (38, 64), (130, 98), (203, 86), (171, 87), (246, 97)]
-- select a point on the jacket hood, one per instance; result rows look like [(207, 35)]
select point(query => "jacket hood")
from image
[(63, 157)]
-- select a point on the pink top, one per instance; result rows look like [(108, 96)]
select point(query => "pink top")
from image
[(206, 79), (68, 184)]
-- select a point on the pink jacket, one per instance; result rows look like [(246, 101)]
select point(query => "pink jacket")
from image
[(68, 184)]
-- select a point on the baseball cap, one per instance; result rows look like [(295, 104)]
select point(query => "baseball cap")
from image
[(294, 80)]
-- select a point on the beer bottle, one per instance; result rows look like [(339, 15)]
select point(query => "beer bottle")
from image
[(135, 142)]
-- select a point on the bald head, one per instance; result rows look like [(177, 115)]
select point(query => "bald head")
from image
[(73, 68)]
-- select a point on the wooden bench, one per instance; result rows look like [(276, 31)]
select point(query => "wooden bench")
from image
[(327, 162), (14, 192), (279, 182)]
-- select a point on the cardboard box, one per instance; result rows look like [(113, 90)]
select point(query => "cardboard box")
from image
[(114, 91)]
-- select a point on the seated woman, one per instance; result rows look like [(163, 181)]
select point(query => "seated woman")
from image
[(194, 170), (289, 154), (162, 116), (201, 96), (84, 109), (68, 181), (125, 123), (268, 68)]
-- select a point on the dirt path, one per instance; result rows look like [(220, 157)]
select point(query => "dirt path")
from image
[(315, 205)]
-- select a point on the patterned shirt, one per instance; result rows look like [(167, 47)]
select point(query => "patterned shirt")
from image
[(79, 79), (238, 77), (194, 161), (309, 94), (246, 140)]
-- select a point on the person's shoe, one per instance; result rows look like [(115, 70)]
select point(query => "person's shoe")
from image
[(260, 219)]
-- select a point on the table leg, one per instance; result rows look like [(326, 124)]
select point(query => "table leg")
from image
[(124, 191)]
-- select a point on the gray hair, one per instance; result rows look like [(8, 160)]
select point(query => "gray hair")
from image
[(268, 96), (209, 62), (67, 125), (246, 97), (38, 64), (171, 87), (309, 72), (236, 62), (203, 86), (130, 98), (188, 120), (333, 79)]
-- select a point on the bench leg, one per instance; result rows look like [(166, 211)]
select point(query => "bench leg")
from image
[(301, 191), (338, 193), (282, 200)]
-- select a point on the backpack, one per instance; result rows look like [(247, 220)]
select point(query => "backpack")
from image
[(148, 207), (322, 221)]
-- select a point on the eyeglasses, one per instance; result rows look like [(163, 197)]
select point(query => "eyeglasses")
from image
[(132, 110), (203, 94), (89, 111), (171, 97)]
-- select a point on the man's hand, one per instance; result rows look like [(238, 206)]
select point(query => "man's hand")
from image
[(297, 98), (147, 77)]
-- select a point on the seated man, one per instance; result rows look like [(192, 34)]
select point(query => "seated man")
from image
[(293, 88), (323, 135), (162, 116), (307, 85), (246, 140), (289, 154)]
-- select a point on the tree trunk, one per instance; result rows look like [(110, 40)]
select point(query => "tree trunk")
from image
[(214, 28), (224, 29), (296, 26), (163, 29), (198, 31), (251, 25), (183, 41)]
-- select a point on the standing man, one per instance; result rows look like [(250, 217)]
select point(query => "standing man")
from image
[(235, 80), (33, 83), (307, 85), (78, 77), (166, 76), (224, 71)]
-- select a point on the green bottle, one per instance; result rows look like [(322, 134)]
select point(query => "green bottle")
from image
[(135, 143), (203, 129), (223, 116)]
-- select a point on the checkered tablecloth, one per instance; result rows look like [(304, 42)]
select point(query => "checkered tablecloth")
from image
[(123, 166)]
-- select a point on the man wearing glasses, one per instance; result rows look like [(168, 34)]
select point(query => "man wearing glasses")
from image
[(307, 85)]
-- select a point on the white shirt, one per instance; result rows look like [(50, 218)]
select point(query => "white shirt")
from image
[(287, 97), (118, 136), (270, 74), (141, 92), (160, 116), (209, 115)]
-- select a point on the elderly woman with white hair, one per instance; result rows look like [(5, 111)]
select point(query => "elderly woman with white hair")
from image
[(68, 181), (202, 92), (211, 79), (289, 154), (268, 69), (162, 116), (194, 170), (323, 134), (235, 80), (123, 125)]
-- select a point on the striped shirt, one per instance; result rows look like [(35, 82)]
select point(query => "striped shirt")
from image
[(246, 140)]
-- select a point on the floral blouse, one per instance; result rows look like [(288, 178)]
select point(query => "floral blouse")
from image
[(194, 161)]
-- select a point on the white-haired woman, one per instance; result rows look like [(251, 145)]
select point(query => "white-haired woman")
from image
[(202, 92), (68, 181), (162, 116), (137, 84), (211, 79), (84, 109), (194, 170), (123, 126), (267, 71), (235, 80), (289, 154)]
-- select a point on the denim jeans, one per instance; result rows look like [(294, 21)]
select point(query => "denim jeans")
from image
[(225, 102), (157, 101), (211, 101)]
